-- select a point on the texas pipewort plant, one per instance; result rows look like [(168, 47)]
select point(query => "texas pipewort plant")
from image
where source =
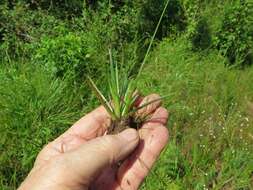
[(123, 93)]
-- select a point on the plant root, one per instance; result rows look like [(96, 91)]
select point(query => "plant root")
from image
[(119, 126)]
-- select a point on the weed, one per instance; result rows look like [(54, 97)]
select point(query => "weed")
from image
[(123, 92)]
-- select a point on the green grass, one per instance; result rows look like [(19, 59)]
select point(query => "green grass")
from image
[(33, 109), (210, 126)]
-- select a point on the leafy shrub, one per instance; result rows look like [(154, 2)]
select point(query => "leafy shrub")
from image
[(64, 54), (60, 8), (173, 21), (85, 49), (234, 38), (201, 35), (198, 29), (126, 23), (120, 18), (20, 28), (2, 9)]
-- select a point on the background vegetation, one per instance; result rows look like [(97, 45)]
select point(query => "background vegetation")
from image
[(203, 51)]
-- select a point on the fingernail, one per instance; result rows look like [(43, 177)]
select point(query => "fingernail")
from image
[(129, 134)]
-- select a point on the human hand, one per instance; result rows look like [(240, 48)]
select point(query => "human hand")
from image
[(84, 158)]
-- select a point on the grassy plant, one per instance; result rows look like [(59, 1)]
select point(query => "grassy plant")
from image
[(123, 92)]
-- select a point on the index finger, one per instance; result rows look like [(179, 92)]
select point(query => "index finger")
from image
[(92, 125)]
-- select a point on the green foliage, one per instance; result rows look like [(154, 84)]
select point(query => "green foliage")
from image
[(119, 85), (121, 18), (214, 141), (48, 47), (68, 54), (199, 23), (201, 36), (34, 109), (174, 19), (21, 28), (60, 8), (234, 38)]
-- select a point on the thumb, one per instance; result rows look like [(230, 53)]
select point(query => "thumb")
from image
[(91, 158)]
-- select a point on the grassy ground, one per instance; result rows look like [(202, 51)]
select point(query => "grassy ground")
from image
[(210, 123)]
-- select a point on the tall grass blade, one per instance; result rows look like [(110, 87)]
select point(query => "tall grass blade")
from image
[(128, 97), (150, 102), (152, 39), (114, 86), (101, 98)]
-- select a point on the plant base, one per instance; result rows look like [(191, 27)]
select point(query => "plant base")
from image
[(121, 125)]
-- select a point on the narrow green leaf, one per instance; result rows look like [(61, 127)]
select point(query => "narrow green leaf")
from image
[(150, 102), (115, 101), (124, 84), (101, 98), (128, 97), (114, 87), (152, 39), (117, 77)]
